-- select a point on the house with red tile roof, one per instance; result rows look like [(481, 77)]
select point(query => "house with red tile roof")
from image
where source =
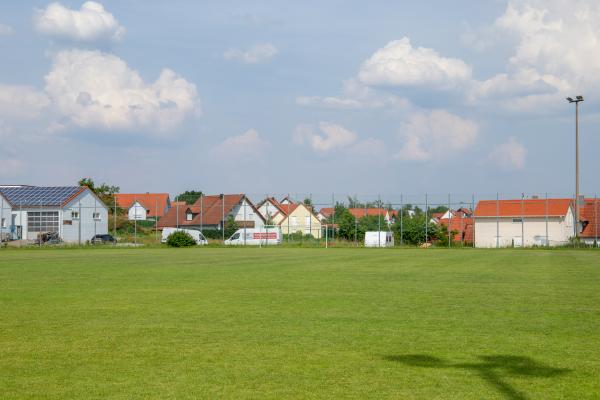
[(273, 211), (142, 206), (211, 212), (459, 222), (590, 220), (388, 216), (523, 222)]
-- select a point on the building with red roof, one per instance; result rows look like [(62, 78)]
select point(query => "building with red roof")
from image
[(523, 222), (141, 206), (211, 212), (590, 220)]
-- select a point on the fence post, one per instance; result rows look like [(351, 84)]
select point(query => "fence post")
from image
[(497, 220), (202, 213), (426, 222), (401, 217), (245, 221), (135, 217), (523, 220), (473, 216), (595, 221), (332, 216), (379, 220), (79, 223), (546, 213), (40, 222), (156, 220), (115, 220), (177, 212), (2, 220), (449, 222), (223, 216)]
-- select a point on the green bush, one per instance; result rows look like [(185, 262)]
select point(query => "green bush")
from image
[(180, 239)]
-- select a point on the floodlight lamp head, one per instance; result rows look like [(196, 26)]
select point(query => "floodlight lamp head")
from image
[(570, 100), (579, 98)]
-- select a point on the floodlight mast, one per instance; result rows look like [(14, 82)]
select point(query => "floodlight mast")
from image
[(577, 100)]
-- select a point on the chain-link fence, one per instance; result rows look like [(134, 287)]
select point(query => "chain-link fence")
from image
[(495, 220)]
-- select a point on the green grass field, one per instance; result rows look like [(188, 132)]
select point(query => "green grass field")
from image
[(299, 323)]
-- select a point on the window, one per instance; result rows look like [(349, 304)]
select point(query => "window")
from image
[(3, 223), (42, 221), (96, 216), (189, 216), (517, 220), (74, 215)]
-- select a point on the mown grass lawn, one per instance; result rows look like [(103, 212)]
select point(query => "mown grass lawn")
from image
[(299, 323)]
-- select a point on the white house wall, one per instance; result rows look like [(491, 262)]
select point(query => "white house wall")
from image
[(245, 212), (86, 227), (6, 215), (137, 212), (534, 231)]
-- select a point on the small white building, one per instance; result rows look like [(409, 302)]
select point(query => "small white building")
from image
[(524, 222), (74, 212), (137, 212)]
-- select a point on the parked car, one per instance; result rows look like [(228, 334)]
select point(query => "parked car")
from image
[(103, 238)]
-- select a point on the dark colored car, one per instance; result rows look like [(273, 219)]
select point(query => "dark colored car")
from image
[(99, 239)]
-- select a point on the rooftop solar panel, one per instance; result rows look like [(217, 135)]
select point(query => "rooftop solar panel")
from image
[(28, 196)]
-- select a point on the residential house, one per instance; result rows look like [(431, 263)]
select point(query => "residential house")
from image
[(590, 219), (75, 213), (212, 212), (458, 221), (523, 222), (142, 206), (272, 210), (388, 216), (302, 219)]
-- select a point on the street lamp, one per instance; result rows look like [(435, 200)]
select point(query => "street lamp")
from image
[(577, 100)]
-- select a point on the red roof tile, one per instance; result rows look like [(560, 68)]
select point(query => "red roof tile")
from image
[(590, 215), (155, 203), (526, 207)]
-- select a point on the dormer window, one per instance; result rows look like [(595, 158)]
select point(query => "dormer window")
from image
[(189, 216)]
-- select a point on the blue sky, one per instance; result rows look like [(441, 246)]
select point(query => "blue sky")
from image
[(303, 97)]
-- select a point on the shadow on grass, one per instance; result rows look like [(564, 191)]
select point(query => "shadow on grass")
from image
[(492, 369)]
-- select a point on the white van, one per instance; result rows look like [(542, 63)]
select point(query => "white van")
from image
[(379, 239), (255, 237), (197, 235)]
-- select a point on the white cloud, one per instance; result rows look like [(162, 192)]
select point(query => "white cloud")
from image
[(255, 54), (355, 96), (557, 54), (248, 145), (6, 30), (435, 135), (509, 156), (325, 137), (90, 23), (91, 89), (400, 64), (21, 102)]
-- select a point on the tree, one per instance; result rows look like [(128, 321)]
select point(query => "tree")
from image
[(189, 196), (413, 230), (105, 192), (180, 239), (230, 226)]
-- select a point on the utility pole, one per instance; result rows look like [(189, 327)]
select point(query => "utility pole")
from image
[(577, 100)]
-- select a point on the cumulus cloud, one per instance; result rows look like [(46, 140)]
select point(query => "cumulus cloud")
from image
[(435, 135), (88, 24), (255, 54), (325, 137), (92, 89), (401, 64), (21, 101), (509, 156), (248, 145), (557, 53), (6, 30)]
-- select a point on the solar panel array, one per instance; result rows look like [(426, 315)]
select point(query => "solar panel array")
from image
[(26, 196)]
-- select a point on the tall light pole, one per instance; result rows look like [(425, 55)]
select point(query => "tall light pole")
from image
[(577, 100)]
